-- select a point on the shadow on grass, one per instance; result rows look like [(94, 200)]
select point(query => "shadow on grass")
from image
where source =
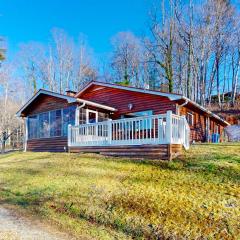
[(26, 159), (33, 198), (215, 162)]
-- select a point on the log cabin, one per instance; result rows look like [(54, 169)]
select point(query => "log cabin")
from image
[(116, 120)]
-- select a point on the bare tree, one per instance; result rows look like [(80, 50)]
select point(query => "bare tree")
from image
[(9, 104), (161, 44), (29, 60), (221, 18), (85, 70), (191, 46), (235, 70), (61, 65), (126, 58), (64, 55)]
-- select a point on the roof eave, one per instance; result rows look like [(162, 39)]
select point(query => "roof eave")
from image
[(96, 105), (171, 96), (42, 91), (207, 111)]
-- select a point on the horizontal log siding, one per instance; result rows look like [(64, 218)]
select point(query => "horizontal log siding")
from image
[(198, 130), (119, 99), (46, 103), (163, 152), (55, 144)]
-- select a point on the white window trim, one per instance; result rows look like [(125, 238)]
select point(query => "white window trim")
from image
[(46, 92), (192, 120), (49, 135), (87, 115)]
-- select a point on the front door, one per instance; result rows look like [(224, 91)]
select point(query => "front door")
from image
[(92, 116)]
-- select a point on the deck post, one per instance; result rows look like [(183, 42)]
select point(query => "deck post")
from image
[(207, 130), (183, 133), (26, 134), (77, 116), (69, 135), (110, 131), (169, 127)]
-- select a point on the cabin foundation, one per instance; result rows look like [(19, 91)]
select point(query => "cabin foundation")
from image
[(161, 151)]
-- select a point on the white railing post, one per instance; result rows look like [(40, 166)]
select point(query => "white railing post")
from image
[(110, 131), (169, 127), (77, 112), (183, 130), (69, 135)]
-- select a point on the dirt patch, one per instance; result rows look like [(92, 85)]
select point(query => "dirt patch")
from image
[(13, 226)]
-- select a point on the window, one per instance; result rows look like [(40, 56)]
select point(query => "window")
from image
[(82, 116), (144, 124), (190, 118), (138, 114), (44, 125), (33, 127), (103, 116), (92, 116), (56, 123), (51, 124), (68, 118)]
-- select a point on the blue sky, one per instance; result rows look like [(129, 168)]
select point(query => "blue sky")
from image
[(23, 21)]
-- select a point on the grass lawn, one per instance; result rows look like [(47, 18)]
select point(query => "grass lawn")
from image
[(196, 197)]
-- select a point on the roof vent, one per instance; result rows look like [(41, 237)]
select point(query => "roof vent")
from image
[(70, 93)]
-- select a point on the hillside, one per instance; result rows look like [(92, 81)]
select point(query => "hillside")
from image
[(229, 113), (96, 197)]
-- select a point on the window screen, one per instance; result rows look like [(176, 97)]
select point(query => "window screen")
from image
[(33, 127), (56, 123), (44, 125), (68, 118)]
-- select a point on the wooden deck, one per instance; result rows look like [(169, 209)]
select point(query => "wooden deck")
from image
[(161, 151), (152, 137)]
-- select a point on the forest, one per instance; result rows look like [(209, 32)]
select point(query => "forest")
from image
[(189, 47)]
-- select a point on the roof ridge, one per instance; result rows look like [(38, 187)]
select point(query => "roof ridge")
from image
[(116, 84)]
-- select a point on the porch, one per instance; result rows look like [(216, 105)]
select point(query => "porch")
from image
[(137, 136)]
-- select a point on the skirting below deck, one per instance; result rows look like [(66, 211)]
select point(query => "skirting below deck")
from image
[(57, 144), (161, 151)]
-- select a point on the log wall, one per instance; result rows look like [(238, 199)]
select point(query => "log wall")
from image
[(120, 99), (45, 103), (161, 152), (56, 144)]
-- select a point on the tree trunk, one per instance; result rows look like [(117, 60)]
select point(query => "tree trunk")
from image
[(235, 82), (4, 138)]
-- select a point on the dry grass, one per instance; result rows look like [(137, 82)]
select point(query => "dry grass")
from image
[(196, 197)]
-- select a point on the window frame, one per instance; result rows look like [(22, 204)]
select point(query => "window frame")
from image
[(38, 125), (61, 134), (143, 125), (28, 126), (189, 114), (87, 115), (43, 131)]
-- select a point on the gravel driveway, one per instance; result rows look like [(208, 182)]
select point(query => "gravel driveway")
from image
[(14, 227)]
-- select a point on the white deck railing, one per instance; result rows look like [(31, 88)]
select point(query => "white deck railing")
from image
[(156, 129)]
